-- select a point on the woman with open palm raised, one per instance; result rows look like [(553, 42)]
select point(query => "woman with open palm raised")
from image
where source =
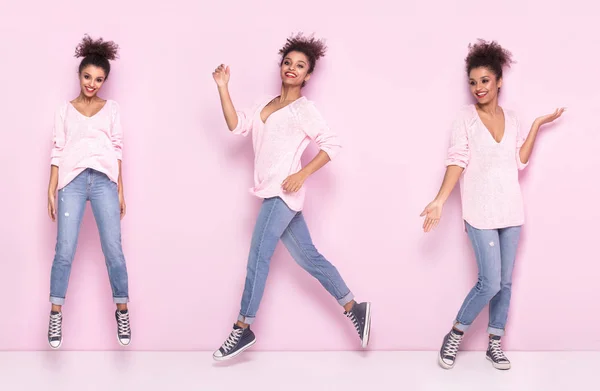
[(486, 152)]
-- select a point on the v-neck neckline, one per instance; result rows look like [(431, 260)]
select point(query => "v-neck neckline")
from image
[(281, 108), (92, 116), (488, 130)]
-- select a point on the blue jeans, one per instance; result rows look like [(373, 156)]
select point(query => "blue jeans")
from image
[(277, 221), (104, 196), (495, 252)]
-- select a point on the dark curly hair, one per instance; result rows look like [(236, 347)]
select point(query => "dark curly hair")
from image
[(311, 47), (488, 54), (96, 52)]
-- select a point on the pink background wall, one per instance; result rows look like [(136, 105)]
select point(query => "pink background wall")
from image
[(390, 85)]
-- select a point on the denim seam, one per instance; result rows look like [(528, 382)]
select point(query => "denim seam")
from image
[(500, 232), (477, 258), (291, 231), (75, 244), (262, 236), (108, 269), (104, 247)]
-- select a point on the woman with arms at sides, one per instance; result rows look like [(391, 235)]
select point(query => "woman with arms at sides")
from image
[(86, 166)]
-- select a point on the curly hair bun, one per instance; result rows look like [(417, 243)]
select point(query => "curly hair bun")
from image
[(488, 54), (88, 47)]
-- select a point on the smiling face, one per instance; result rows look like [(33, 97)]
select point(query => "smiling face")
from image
[(91, 80), (294, 69), (484, 84)]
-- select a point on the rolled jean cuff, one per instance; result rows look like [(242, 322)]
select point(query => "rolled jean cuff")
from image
[(246, 319), (346, 299), (57, 300), (495, 331), (460, 326), (120, 300)]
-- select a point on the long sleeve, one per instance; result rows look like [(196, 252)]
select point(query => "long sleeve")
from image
[(116, 131), (316, 129), (520, 141), (58, 136), (458, 152), (244, 125), (247, 117)]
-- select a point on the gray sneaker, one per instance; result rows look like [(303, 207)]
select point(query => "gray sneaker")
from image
[(449, 350), (55, 330), (495, 354), (238, 341), (360, 315), (123, 327)]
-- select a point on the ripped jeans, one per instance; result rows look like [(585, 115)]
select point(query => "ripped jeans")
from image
[(103, 195), (495, 252)]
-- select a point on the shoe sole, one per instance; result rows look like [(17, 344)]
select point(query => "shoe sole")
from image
[(121, 343), (443, 364), (233, 355), (54, 348), (502, 367), (367, 332)]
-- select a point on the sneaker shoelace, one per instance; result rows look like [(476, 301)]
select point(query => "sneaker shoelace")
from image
[(123, 323), (451, 345), (55, 328), (496, 350), (232, 340), (354, 320)]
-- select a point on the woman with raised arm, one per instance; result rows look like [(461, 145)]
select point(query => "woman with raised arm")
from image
[(282, 127)]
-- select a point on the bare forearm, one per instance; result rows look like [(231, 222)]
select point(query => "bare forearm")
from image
[(527, 147), (53, 182), (228, 109), (120, 183), (294, 182), (451, 176), (316, 164)]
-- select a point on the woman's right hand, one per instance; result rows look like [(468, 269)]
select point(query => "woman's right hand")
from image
[(51, 206), (432, 214), (221, 75)]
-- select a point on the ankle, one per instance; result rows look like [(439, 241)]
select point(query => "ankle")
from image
[(242, 324), (348, 306)]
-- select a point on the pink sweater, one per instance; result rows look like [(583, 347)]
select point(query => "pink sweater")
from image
[(490, 191), (82, 142), (279, 144)]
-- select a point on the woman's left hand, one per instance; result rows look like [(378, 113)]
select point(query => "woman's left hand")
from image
[(294, 182), (546, 119), (122, 204)]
